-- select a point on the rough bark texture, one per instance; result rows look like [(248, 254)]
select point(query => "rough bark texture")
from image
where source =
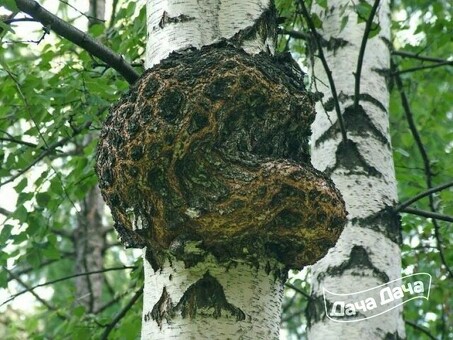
[(367, 253), (211, 146)]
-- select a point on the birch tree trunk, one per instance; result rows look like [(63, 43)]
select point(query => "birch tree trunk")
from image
[(239, 300), (205, 164), (244, 291), (367, 253)]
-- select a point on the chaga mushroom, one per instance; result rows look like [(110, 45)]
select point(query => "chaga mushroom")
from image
[(211, 146)]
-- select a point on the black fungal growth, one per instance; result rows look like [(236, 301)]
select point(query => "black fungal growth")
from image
[(211, 146)]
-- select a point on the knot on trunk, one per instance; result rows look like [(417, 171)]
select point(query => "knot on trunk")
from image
[(211, 147)]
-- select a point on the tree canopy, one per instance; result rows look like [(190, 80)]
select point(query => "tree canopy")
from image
[(54, 97)]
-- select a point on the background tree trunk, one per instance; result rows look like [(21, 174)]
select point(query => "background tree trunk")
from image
[(367, 253), (89, 234)]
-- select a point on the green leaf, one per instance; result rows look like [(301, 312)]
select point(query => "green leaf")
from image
[(42, 199), (3, 279), (316, 20), (5, 234), (5, 27), (21, 185), (322, 3), (363, 10), (20, 214), (79, 311), (344, 22), (375, 29), (10, 5)]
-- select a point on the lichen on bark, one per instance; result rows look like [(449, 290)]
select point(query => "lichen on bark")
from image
[(211, 147)]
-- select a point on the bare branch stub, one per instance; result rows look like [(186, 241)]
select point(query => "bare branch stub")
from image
[(211, 147)]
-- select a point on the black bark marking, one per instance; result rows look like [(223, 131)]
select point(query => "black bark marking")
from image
[(348, 157), (358, 260), (166, 19), (315, 310), (163, 309), (264, 27), (385, 221), (393, 336), (357, 122), (206, 298)]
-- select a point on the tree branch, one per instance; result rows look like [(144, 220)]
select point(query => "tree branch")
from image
[(27, 288), (294, 34), (429, 214), (426, 162), (46, 152), (122, 313), (419, 328), (298, 290), (425, 67), (312, 27), (64, 279), (423, 194), (110, 303), (79, 38), (405, 54), (5, 212), (358, 71)]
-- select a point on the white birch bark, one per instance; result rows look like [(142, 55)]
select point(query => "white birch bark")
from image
[(367, 253), (253, 295), (176, 25), (256, 293)]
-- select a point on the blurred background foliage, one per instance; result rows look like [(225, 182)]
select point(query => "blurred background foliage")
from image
[(53, 100)]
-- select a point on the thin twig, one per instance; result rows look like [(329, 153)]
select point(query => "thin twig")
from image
[(111, 302), (122, 313), (27, 288), (5, 212), (294, 34), (18, 141), (423, 194), (64, 279), (12, 21), (333, 89), (113, 15), (419, 57), (79, 38), (298, 290), (89, 17), (426, 162), (420, 328), (31, 268), (429, 214), (46, 152), (426, 67), (358, 71)]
